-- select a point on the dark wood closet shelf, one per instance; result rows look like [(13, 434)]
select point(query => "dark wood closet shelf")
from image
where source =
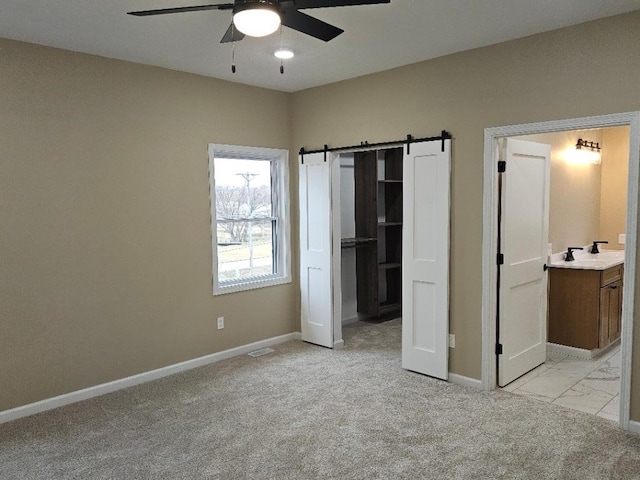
[(388, 265), (389, 224), (389, 181), (354, 242)]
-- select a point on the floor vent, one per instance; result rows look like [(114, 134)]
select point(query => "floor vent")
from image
[(262, 351)]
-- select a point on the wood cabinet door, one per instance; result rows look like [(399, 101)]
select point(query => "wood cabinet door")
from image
[(615, 310), (575, 307), (610, 313), (605, 313)]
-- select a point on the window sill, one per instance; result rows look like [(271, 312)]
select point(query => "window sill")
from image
[(250, 285)]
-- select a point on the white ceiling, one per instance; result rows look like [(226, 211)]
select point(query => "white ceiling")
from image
[(376, 38)]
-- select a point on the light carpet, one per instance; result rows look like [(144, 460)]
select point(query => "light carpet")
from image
[(305, 412)]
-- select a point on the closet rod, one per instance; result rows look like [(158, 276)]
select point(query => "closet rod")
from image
[(444, 135)]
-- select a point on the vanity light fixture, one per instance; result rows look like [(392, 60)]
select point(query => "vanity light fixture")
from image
[(592, 149), (594, 146)]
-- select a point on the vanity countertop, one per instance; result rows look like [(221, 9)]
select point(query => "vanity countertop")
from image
[(587, 261)]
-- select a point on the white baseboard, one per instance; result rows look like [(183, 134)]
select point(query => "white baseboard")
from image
[(102, 389), (579, 352), (465, 381), (350, 320), (569, 351), (634, 427)]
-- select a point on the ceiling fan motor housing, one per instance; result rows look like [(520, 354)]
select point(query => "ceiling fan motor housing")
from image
[(241, 5)]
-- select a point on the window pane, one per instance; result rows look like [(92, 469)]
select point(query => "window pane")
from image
[(243, 190), (243, 196), (245, 250)]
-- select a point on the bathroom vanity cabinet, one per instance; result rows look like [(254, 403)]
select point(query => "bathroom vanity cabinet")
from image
[(585, 307)]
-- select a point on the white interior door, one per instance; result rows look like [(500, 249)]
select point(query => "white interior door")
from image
[(425, 258), (524, 227), (315, 250)]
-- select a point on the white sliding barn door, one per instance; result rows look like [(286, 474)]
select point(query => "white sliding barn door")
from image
[(523, 280), (425, 258), (315, 250)]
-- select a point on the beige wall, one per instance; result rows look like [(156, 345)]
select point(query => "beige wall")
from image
[(587, 202), (105, 240), (539, 78), (574, 198), (615, 167)]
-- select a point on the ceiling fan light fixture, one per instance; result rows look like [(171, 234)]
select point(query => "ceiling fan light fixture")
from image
[(256, 18)]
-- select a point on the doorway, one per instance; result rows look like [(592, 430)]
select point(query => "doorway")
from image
[(579, 366), (492, 136)]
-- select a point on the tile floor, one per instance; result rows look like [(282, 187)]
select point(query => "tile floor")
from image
[(591, 386)]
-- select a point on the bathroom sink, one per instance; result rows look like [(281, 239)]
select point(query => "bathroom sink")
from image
[(586, 261), (600, 259)]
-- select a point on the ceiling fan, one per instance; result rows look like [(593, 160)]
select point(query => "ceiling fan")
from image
[(258, 18)]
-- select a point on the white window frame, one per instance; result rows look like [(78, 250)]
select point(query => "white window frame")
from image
[(280, 159)]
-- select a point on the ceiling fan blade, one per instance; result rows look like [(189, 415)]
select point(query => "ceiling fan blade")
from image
[(196, 8), (232, 35), (335, 3), (311, 26)]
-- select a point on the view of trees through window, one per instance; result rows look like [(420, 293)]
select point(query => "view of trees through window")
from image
[(245, 218)]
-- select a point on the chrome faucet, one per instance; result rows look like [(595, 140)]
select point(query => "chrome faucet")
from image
[(569, 256), (594, 247)]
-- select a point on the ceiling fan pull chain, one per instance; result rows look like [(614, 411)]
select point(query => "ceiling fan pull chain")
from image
[(281, 64), (233, 57)]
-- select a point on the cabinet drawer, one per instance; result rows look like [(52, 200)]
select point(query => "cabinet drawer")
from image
[(611, 275)]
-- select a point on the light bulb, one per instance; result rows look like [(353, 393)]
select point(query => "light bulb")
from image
[(283, 54)]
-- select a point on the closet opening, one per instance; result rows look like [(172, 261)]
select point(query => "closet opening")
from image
[(389, 226), (370, 185)]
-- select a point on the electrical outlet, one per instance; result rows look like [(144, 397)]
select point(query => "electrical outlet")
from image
[(452, 340), (220, 323), (622, 238)]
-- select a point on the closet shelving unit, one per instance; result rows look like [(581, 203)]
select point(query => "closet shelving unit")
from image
[(378, 229)]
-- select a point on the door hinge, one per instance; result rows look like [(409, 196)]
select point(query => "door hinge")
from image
[(502, 166), (498, 349), (500, 259)]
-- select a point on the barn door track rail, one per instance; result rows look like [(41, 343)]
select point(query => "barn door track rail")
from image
[(444, 135)]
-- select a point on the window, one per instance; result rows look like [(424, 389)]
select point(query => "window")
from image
[(249, 217)]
